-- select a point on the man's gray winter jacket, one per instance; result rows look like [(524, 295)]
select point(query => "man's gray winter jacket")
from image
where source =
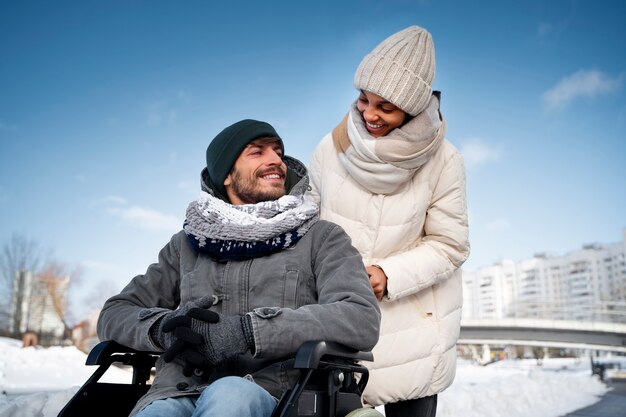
[(316, 290)]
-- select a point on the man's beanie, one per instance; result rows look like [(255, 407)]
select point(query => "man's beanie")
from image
[(401, 70), (225, 148)]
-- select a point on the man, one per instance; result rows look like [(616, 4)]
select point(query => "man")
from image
[(252, 275)]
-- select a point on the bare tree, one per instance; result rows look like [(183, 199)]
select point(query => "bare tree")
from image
[(58, 278), (17, 254), (21, 255)]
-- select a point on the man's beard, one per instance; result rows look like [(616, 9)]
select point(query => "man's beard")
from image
[(249, 191)]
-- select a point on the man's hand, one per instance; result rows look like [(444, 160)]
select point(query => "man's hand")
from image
[(166, 339), (215, 337), (378, 280)]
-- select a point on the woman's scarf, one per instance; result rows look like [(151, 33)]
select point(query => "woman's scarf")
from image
[(232, 232), (382, 165)]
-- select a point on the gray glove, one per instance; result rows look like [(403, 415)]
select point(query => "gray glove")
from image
[(214, 336), (165, 339)]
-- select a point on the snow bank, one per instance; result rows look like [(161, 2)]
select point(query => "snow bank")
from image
[(38, 382), (515, 388)]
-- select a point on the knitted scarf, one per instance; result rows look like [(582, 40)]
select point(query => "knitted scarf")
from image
[(235, 232), (382, 165)]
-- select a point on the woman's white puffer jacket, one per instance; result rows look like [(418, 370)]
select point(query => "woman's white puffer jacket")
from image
[(419, 236)]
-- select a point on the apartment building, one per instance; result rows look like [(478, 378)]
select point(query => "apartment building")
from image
[(586, 284)]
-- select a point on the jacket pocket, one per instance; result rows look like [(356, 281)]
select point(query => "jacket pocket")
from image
[(290, 289), (298, 289)]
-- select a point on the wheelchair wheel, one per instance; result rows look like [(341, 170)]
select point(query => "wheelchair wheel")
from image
[(364, 412)]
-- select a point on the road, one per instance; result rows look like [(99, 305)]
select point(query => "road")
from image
[(612, 404)]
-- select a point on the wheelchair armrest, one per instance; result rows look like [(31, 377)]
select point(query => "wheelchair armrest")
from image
[(103, 351), (310, 353), (330, 361), (107, 352), (97, 398)]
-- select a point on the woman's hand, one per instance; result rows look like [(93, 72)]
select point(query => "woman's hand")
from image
[(378, 280)]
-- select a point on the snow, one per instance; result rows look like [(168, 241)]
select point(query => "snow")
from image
[(521, 388), (38, 382)]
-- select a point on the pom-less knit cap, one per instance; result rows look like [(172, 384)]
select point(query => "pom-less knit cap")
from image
[(225, 148), (401, 69)]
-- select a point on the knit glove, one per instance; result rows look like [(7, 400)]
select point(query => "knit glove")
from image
[(162, 335), (216, 337)]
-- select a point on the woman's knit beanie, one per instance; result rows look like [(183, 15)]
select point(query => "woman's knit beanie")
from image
[(401, 69), (226, 147)]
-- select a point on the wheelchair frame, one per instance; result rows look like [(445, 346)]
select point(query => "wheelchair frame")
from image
[(332, 364)]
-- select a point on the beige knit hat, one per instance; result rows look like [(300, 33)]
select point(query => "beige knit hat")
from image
[(401, 70)]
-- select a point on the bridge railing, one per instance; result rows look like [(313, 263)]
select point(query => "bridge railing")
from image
[(539, 332)]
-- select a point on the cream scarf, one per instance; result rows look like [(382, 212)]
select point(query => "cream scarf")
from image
[(382, 165)]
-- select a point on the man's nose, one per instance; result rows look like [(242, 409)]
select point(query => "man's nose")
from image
[(274, 158)]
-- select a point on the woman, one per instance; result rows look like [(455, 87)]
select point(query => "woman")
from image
[(390, 179)]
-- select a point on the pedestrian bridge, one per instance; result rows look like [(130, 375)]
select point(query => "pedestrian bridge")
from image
[(545, 333)]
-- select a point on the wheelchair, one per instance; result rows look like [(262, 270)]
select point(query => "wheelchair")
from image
[(327, 387)]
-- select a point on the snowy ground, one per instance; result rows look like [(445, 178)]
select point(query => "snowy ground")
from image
[(38, 382)]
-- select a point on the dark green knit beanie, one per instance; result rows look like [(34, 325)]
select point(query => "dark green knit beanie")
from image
[(225, 148)]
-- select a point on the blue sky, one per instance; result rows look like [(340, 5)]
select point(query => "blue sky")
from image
[(106, 110)]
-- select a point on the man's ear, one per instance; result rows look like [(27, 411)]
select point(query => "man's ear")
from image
[(228, 180)]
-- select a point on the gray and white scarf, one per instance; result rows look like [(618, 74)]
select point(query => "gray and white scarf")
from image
[(382, 165), (227, 231)]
